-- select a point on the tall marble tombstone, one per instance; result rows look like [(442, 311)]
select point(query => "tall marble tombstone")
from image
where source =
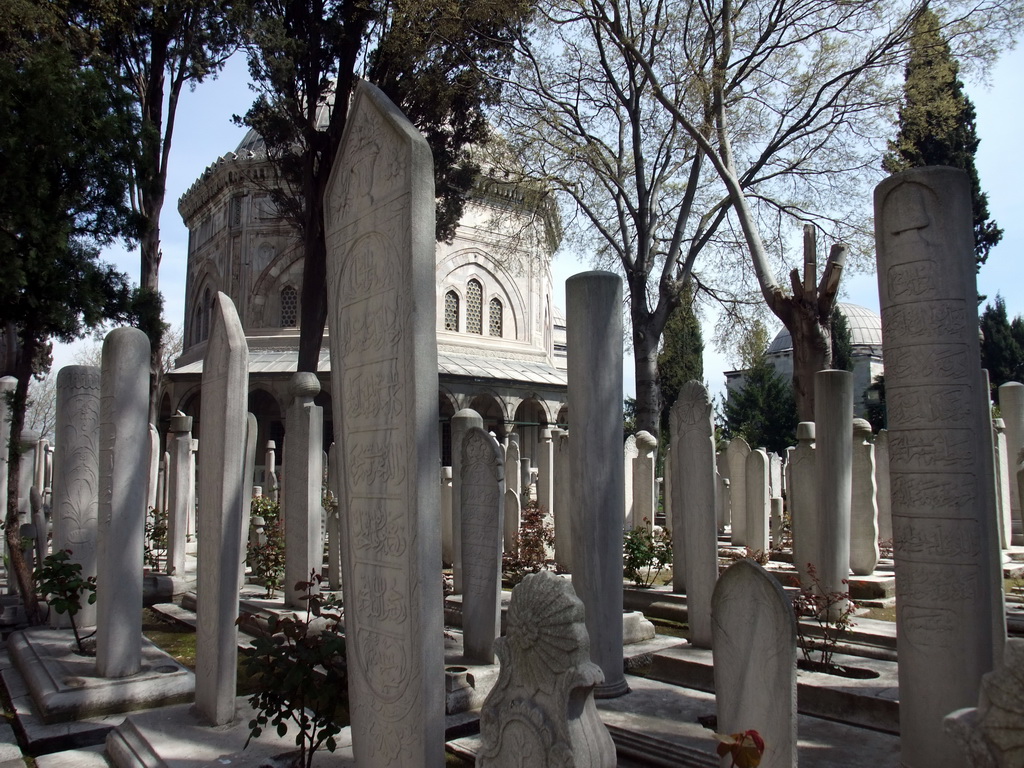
[(512, 485), (594, 301), (644, 484), (629, 454), (693, 457), (736, 456), (724, 490), (249, 490), (863, 503), (334, 522), (379, 213), (221, 495), (462, 422), (756, 482), (29, 440), (178, 484), (77, 475), (754, 641), (803, 502), (1003, 482), (546, 473), (884, 485), (1011, 407), (949, 611), (154, 468), (563, 522), (665, 481), (124, 467), (483, 499), (303, 453), (833, 425), (270, 471)]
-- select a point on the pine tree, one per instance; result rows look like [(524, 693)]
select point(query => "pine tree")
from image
[(1002, 344), (681, 358), (842, 341), (937, 123)]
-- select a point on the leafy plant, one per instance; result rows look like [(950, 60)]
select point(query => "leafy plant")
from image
[(529, 550), (759, 556), (746, 749), (300, 671), (266, 557), (154, 540), (60, 580), (645, 553), (833, 612)]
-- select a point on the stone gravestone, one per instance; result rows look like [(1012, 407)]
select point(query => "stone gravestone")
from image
[(270, 470), (949, 612), (644, 498), (379, 212), (833, 450), (511, 522), (303, 453), (483, 499), (179, 482), (884, 486), (756, 485), (447, 548), (736, 456), (629, 454), (693, 455), (563, 522), (1003, 504), (754, 642), (541, 711), (724, 512), (863, 503), (776, 508), (545, 474), (462, 422), (1011, 407), (594, 328), (248, 489), (334, 522), (124, 467), (154, 468), (222, 494), (803, 502), (77, 475)]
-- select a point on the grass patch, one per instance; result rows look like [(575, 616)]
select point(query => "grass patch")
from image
[(880, 614)]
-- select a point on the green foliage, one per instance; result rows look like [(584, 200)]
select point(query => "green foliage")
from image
[(763, 412), (874, 400), (60, 581), (645, 553), (628, 417), (154, 539), (842, 343), (1002, 345), (937, 123), (681, 358), (267, 557), (833, 613), (300, 671), (529, 550)]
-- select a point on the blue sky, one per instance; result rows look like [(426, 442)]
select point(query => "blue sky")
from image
[(204, 131)]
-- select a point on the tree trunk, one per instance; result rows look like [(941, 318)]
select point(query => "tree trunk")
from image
[(648, 388), (16, 559), (313, 306), (812, 352)]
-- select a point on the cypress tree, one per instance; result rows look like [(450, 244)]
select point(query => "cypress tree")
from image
[(937, 123), (682, 356), (842, 341)]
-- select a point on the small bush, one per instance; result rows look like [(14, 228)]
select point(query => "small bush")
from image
[(61, 583), (267, 557), (833, 612), (155, 539), (645, 553), (529, 550)]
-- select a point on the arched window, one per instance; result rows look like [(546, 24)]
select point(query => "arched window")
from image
[(451, 311), (289, 307), (474, 308), (207, 309), (494, 317)]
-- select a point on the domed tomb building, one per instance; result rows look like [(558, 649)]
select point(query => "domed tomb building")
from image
[(501, 340)]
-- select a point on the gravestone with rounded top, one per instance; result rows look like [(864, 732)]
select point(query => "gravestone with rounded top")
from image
[(863, 503), (758, 510), (833, 426), (643, 480), (736, 456), (1011, 408), (462, 422), (629, 454), (803, 502), (1003, 503)]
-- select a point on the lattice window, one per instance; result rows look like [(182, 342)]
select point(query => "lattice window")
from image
[(289, 307), (236, 211), (494, 317), (474, 308), (451, 311)]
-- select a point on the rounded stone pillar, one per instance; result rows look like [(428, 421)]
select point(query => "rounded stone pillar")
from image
[(833, 426)]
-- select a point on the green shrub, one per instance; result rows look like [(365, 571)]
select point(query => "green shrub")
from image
[(529, 549), (645, 553), (267, 558), (60, 581)]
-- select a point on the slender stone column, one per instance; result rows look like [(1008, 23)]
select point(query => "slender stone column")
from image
[(248, 491), (693, 531), (124, 466), (643, 480), (1011, 407), (594, 303), (221, 495), (863, 503), (884, 486), (736, 455), (724, 504), (29, 440), (180, 439), (563, 489), (665, 481), (483, 500), (545, 473), (512, 485), (803, 502), (270, 470), (756, 483), (154, 468), (77, 476), (462, 422), (949, 612), (333, 522), (629, 454), (1003, 483), (833, 424), (303, 452)]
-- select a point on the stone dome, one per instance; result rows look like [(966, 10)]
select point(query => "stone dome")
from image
[(865, 330)]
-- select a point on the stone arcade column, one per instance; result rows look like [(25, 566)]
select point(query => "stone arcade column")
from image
[(222, 493), (178, 483), (304, 473), (462, 422), (563, 504), (594, 301), (77, 474), (693, 457), (863, 503), (948, 595), (124, 467), (379, 211), (833, 426), (546, 474), (512, 485)]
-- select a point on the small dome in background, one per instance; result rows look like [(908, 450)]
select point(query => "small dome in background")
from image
[(865, 330)]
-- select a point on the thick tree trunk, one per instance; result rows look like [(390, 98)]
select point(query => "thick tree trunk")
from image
[(648, 388), (17, 567), (313, 310), (812, 352)]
